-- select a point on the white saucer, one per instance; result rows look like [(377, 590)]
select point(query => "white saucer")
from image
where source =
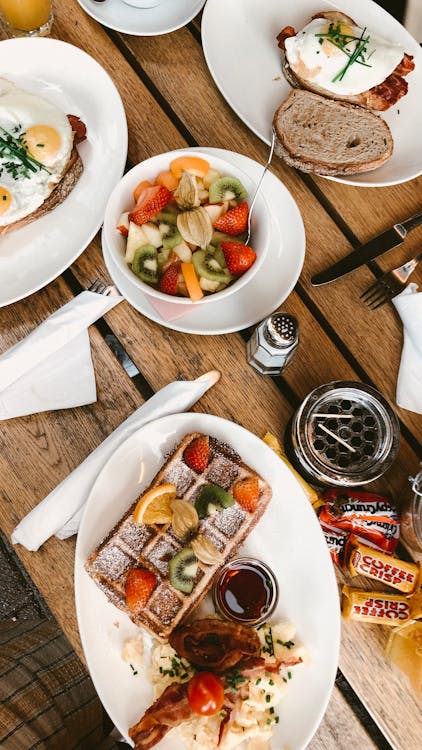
[(168, 16), (265, 292)]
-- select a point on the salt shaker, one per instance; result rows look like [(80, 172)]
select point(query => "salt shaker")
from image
[(273, 343)]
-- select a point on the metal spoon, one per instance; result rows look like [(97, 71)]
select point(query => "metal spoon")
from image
[(273, 137)]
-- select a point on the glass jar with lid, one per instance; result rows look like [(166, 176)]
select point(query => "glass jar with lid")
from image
[(411, 518)]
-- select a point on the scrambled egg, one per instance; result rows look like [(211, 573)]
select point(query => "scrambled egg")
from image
[(254, 717)]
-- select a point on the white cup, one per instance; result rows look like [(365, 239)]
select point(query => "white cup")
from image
[(143, 3)]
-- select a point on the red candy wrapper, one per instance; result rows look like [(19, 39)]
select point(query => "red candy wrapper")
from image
[(369, 516), (336, 541)]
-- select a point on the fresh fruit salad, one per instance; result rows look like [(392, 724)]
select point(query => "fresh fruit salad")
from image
[(186, 232)]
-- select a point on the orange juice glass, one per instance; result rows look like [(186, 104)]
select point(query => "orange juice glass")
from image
[(27, 17)]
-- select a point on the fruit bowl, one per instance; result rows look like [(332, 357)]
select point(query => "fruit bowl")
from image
[(121, 200)]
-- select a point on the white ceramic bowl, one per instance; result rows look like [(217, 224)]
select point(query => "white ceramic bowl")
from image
[(121, 200)]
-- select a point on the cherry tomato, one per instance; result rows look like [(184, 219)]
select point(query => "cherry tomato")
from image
[(205, 693)]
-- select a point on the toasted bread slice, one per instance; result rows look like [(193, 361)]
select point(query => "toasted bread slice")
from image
[(329, 137), (378, 98), (69, 179)]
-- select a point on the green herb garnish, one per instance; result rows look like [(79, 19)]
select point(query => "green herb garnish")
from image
[(14, 148), (269, 644), (234, 679), (342, 41), (177, 669), (286, 644)]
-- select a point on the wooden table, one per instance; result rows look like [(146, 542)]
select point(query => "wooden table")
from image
[(171, 101)]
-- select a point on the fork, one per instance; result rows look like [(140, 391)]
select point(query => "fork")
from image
[(390, 284), (108, 290)]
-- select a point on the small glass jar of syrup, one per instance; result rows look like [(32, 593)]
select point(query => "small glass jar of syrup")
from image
[(246, 591)]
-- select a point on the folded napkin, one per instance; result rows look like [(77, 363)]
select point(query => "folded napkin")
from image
[(52, 367), (60, 512), (409, 383)]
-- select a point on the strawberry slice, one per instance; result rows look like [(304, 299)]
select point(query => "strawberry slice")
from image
[(235, 221), (151, 200), (140, 583), (169, 280), (239, 258), (197, 454), (246, 492)]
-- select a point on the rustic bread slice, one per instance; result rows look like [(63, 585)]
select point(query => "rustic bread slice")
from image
[(71, 175), (328, 137)]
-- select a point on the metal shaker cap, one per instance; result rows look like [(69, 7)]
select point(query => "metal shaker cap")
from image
[(282, 330)]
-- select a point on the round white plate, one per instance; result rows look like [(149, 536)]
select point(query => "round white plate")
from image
[(168, 16), (267, 289), (288, 538), (245, 62), (33, 256)]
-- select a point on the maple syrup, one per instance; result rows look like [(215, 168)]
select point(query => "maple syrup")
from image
[(246, 591)]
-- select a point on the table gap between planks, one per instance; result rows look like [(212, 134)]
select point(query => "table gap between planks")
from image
[(171, 102)]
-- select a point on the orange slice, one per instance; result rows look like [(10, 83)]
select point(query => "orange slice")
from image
[(139, 188), (193, 164), (191, 280), (155, 505)]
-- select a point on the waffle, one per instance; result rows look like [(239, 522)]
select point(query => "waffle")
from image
[(131, 545)]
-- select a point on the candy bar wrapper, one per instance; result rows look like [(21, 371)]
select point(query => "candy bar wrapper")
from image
[(377, 607), (336, 541), (366, 514), (367, 561)]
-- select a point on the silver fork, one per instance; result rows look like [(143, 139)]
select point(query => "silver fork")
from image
[(390, 284), (108, 290)]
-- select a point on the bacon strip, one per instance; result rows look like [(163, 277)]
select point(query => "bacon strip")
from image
[(169, 710), (215, 644), (78, 127)]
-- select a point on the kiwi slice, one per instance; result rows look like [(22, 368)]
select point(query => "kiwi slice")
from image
[(168, 216), (162, 258), (208, 265), (212, 498), (145, 264), (172, 237), (219, 237), (226, 189), (183, 568)]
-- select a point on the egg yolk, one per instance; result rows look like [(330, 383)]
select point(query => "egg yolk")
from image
[(43, 143), (330, 49), (5, 199)]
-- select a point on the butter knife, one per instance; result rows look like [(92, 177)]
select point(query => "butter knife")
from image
[(372, 249)]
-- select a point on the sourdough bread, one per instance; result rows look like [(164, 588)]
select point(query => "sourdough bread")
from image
[(328, 137)]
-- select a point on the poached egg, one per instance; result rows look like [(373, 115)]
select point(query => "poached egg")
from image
[(320, 52)]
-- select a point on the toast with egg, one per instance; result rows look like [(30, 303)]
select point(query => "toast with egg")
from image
[(39, 161), (328, 137), (321, 58)]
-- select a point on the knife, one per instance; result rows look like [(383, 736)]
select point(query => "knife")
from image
[(372, 249)]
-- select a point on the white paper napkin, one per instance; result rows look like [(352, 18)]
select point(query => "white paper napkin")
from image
[(52, 367), (60, 512), (409, 383)]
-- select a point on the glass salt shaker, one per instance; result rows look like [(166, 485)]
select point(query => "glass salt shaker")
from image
[(273, 343)]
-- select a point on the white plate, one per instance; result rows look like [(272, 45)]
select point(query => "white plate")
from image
[(168, 16), (65, 75), (288, 538), (254, 86), (265, 292)]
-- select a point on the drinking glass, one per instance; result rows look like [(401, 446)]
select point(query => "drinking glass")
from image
[(404, 648), (27, 17)]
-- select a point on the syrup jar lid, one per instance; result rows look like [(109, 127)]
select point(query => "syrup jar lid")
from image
[(346, 433)]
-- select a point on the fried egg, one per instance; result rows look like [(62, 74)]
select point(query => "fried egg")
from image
[(36, 142), (322, 60)]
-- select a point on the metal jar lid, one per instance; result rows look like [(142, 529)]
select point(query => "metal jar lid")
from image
[(345, 433)]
